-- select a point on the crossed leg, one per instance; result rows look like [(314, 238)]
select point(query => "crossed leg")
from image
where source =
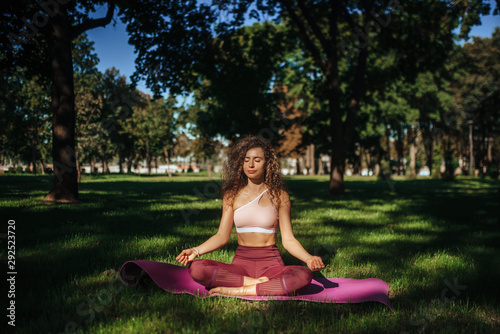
[(230, 279)]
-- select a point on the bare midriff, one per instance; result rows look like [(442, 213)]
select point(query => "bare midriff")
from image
[(255, 239)]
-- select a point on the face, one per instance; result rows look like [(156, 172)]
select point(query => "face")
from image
[(254, 165)]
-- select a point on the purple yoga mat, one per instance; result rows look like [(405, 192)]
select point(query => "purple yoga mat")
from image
[(176, 279)]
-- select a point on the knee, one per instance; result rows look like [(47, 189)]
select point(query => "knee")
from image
[(308, 275), (299, 278), (305, 275), (199, 271)]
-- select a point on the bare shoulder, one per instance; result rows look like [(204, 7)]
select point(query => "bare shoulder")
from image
[(284, 197), (227, 201)]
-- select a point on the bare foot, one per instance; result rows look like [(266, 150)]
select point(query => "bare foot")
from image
[(252, 281), (235, 291)]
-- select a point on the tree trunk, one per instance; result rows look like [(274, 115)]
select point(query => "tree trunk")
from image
[(341, 133), (33, 159), (120, 161), (306, 159), (368, 160), (489, 155), (376, 168), (429, 147), (413, 151), (400, 149), (209, 167), (148, 158), (79, 175), (129, 166), (65, 186), (167, 159), (448, 156), (337, 160), (338, 155), (312, 160), (299, 172), (43, 166), (320, 166)]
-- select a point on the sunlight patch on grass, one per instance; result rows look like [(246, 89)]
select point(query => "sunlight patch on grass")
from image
[(153, 244), (379, 237), (418, 224), (443, 262)]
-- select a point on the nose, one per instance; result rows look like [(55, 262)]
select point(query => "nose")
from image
[(251, 163)]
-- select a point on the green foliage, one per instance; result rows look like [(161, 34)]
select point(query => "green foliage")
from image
[(25, 109), (236, 94), (152, 128)]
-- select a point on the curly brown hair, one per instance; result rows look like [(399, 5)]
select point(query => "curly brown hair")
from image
[(234, 179)]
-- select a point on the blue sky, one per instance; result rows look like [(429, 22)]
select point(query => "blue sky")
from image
[(112, 48)]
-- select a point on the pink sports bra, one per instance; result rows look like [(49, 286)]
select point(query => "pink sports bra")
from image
[(252, 217)]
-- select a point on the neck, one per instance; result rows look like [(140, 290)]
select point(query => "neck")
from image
[(256, 185)]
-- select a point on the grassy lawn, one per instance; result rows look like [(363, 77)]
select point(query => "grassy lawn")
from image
[(436, 243)]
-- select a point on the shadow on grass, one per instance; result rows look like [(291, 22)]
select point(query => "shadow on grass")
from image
[(63, 250)]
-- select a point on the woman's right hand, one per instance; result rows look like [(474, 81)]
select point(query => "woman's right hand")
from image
[(186, 256)]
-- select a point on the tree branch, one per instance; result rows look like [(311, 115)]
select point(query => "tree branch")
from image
[(349, 19), (315, 28), (305, 36), (358, 85), (94, 23), (333, 20)]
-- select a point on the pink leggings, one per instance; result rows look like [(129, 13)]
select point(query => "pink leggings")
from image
[(253, 262)]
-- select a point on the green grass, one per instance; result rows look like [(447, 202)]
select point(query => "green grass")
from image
[(420, 236)]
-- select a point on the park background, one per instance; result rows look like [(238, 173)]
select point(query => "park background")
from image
[(385, 115)]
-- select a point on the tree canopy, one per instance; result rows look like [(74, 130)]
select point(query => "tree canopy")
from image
[(373, 84)]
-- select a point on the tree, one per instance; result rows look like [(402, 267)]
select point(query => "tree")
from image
[(424, 37), (88, 103), (24, 112), (235, 96), (478, 96), (120, 98), (44, 45), (151, 128)]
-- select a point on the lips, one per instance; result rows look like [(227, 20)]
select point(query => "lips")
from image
[(252, 171)]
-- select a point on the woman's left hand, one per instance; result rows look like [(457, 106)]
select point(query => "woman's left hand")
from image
[(315, 263)]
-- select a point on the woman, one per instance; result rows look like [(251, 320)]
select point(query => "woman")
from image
[(255, 199)]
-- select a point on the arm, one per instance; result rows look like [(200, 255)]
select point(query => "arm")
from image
[(216, 241), (291, 244)]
